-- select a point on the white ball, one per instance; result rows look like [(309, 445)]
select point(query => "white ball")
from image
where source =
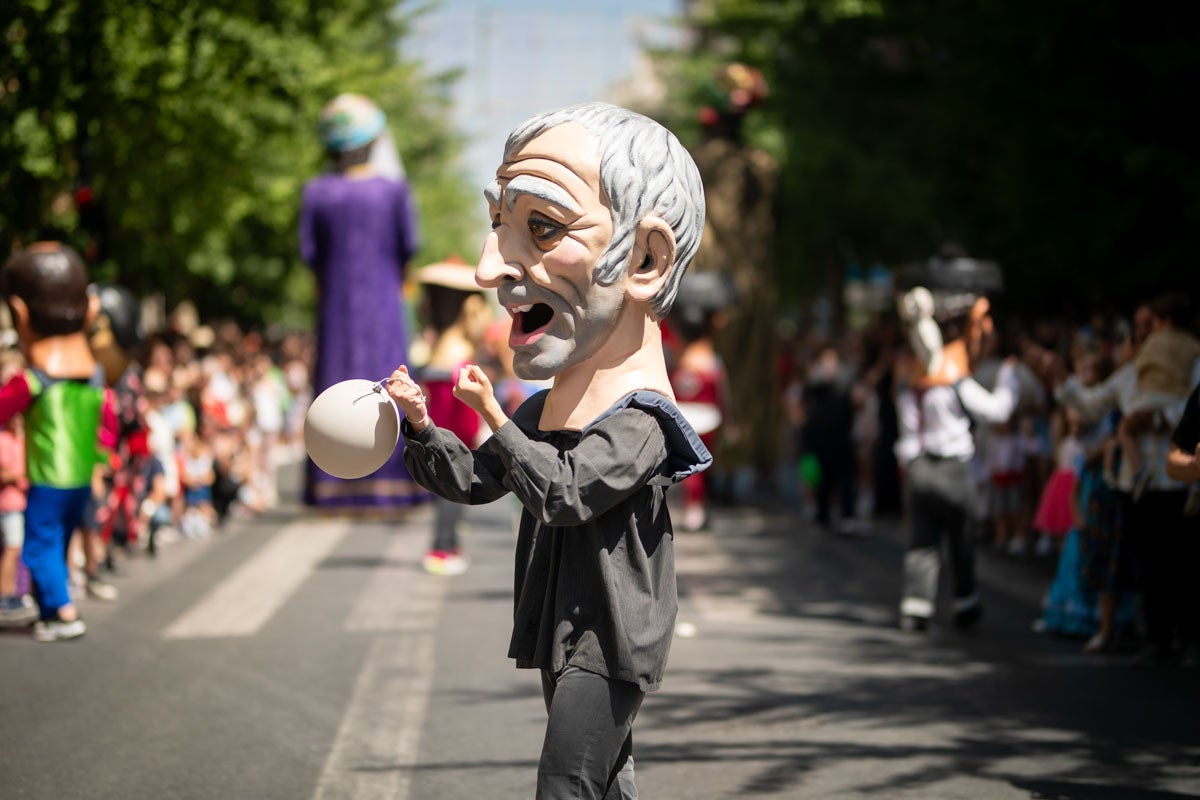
[(350, 429)]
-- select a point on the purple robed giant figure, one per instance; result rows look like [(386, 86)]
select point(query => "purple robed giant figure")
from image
[(358, 232)]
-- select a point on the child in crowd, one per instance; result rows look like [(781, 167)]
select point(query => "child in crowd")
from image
[(1004, 460), (1054, 516), (197, 476), (162, 438), (16, 608), (296, 377)]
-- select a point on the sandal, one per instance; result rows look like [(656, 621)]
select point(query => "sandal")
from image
[(1100, 643)]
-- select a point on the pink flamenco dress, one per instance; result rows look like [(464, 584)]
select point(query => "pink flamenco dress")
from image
[(1053, 516)]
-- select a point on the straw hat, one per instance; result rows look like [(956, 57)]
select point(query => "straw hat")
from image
[(453, 273)]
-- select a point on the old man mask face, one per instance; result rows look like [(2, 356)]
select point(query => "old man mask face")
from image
[(550, 226)]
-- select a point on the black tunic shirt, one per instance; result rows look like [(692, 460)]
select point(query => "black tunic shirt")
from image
[(595, 564)]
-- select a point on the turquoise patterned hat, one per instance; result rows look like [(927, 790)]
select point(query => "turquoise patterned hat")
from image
[(349, 122)]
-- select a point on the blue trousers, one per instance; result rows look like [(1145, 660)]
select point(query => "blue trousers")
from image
[(51, 516)]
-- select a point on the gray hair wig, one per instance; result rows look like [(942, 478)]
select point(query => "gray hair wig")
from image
[(643, 170)]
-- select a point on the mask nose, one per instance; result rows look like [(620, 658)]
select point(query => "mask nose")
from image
[(493, 269)]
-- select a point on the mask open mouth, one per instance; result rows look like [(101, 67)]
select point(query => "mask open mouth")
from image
[(534, 318)]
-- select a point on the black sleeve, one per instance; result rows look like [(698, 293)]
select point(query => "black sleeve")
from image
[(440, 462), (611, 461)]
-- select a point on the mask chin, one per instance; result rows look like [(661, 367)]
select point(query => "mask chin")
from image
[(527, 368)]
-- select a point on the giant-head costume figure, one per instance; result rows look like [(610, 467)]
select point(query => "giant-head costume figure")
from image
[(64, 402), (596, 213)]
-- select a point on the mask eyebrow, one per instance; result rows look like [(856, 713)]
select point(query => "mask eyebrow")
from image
[(542, 189), (491, 193)]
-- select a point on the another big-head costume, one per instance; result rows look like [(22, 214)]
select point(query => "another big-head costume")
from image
[(63, 398)]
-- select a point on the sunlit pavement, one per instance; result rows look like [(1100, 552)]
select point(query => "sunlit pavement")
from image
[(296, 656)]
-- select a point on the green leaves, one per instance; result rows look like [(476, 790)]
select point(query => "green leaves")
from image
[(194, 125), (1048, 136)]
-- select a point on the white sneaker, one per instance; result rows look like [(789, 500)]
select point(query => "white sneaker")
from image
[(442, 563), (54, 630)]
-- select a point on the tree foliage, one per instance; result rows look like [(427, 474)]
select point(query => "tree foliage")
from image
[(192, 125), (1054, 138)]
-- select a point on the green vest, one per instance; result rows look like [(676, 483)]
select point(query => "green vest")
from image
[(62, 424)]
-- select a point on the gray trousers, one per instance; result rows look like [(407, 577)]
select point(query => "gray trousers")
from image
[(941, 502), (588, 750), (447, 516)]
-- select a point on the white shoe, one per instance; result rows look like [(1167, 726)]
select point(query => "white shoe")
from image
[(54, 630), (440, 563)]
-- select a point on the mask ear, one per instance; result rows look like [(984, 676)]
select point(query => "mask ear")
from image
[(20, 317), (651, 261)]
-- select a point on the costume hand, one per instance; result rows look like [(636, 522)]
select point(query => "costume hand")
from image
[(409, 397), (979, 328), (473, 387)]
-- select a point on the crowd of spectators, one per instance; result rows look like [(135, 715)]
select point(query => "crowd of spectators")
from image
[(1077, 475), (207, 415)]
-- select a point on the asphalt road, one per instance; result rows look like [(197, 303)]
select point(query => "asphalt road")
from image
[(294, 656)]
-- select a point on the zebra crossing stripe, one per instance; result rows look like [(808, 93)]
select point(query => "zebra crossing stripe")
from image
[(376, 748), (399, 595), (242, 603)]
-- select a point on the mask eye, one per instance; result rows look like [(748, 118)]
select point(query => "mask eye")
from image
[(543, 229), (495, 222)]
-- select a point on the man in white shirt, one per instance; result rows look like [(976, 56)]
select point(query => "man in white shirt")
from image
[(936, 444)]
